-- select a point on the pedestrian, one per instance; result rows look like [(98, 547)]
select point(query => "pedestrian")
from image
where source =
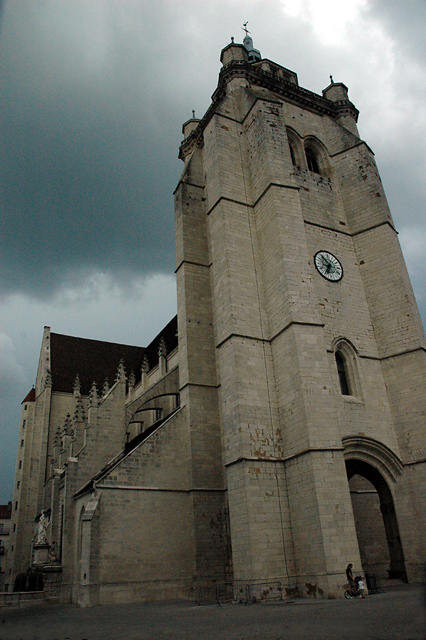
[(360, 587), (350, 578)]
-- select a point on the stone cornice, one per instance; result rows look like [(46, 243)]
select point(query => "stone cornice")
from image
[(280, 86)]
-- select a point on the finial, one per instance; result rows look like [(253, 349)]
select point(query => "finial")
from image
[(232, 39), (331, 80), (93, 395), (79, 413), (105, 387), (77, 386), (67, 429), (121, 373), (57, 438), (253, 54), (145, 365), (193, 114), (162, 348)]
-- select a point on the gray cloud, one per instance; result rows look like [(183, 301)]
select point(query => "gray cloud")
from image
[(404, 20), (11, 372)]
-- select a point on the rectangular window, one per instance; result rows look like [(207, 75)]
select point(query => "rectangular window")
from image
[(22, 443), (24, 423), (14, 527), (20, 464), (16, 506)]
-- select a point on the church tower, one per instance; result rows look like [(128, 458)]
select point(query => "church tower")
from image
[(301, 349), (274, 433)]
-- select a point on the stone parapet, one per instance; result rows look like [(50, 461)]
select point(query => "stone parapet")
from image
[(21, 599)]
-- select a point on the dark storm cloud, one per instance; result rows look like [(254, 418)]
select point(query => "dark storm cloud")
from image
[(93, 95), (89, 169)]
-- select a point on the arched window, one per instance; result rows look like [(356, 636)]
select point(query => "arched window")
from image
[(295, 146), (293, 157), (348, 369), (342, 373), (312, 161)]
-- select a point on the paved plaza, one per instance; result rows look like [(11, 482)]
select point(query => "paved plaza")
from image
[(394, 615)]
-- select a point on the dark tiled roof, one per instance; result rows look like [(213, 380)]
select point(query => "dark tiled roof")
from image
[(5, 511), (30, 397), (94, 360), (169, 333)]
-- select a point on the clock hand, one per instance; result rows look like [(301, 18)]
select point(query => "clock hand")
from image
[(329, 266)]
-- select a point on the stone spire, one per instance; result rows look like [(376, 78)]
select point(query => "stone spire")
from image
[(67, 436), (79, 414), (77, 387), (162, 347), (145, 365), (131, 385), (57, 438), (105, 387), (144, 372), (121, 372), (93, 395), (162, 352), (68, 426)]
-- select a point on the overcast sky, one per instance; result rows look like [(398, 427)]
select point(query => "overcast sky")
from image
[(93, 96)]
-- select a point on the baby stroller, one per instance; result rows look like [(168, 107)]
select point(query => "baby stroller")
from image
[(356, 592)]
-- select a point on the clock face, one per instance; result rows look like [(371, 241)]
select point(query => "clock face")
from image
[(328, 266)]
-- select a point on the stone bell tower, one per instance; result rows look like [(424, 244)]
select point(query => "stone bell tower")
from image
[(298, 321)]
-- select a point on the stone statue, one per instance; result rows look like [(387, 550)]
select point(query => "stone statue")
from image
[(42, 529)]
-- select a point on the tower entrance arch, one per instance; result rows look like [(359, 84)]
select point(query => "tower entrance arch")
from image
[(374, 509)]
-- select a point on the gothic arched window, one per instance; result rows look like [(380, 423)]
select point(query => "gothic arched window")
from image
[(295, 146), (342, 373), (348, 370), (312, 161), (293, 157)]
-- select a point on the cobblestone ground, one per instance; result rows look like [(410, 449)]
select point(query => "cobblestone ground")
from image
[(395, 615)]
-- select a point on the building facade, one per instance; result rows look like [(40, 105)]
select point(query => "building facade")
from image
[(5, 516), (275, 430)]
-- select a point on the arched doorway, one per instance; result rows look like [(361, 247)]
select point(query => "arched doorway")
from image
[(375, 520)]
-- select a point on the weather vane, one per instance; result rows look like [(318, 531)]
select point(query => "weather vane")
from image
[(244, 27)]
